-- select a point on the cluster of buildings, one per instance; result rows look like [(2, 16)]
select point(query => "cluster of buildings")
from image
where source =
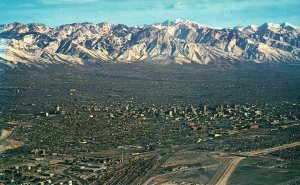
[(141, 128)]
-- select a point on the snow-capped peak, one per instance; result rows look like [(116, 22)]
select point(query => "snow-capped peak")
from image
[(271, 26), (252, 27), (286, 24), (181, 21)]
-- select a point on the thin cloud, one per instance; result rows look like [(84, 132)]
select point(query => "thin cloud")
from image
[(66, 1), (26, 5), (176, 6)]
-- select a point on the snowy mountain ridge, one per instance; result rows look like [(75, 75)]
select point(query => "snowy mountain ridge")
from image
[(179, 42)]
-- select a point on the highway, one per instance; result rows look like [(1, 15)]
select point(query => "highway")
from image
[(145, 171), (229, 170), (269, 150), (223, 179)]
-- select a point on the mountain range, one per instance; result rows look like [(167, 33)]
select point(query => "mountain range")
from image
[(179, 42)]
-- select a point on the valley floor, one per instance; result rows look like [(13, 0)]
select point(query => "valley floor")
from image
[(150, 124)]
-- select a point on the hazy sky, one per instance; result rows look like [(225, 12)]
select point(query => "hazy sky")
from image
[(215, 13)]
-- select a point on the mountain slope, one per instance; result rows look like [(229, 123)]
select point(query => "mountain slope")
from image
[(177, 41)]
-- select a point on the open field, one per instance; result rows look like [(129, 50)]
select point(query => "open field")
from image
[(189, 166), (268, 170), (272, 170), (193, 167)]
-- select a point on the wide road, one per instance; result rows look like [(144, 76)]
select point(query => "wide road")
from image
[(229, 170), (223, 179), (269, 150)]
